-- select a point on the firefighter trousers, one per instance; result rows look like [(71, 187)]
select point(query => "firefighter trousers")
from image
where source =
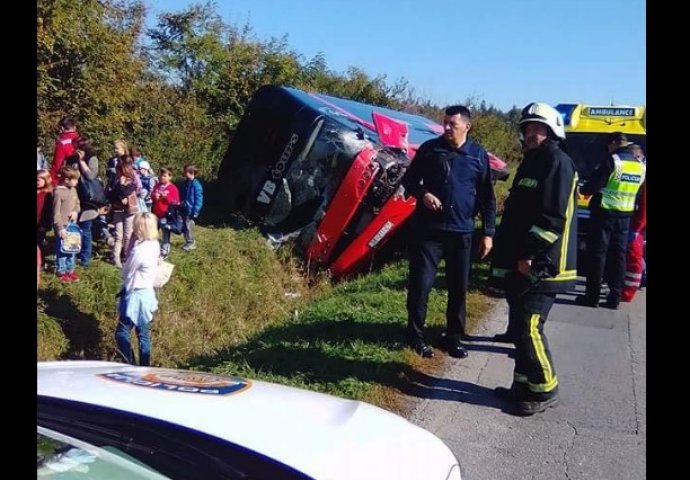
[(533, 363)]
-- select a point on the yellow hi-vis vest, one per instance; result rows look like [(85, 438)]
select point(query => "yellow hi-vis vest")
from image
[(619, 193)]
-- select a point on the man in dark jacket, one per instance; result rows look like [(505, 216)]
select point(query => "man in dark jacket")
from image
[(535, 254), (451, 179)]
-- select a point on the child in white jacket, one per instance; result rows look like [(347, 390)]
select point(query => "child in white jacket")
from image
[(137, 297)]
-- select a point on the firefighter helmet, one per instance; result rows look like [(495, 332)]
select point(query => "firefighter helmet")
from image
[(546, 114)]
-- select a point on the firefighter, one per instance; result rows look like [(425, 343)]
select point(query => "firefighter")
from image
[(534, 257), (614, 187)]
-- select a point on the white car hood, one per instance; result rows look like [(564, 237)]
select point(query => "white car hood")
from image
[(320, 435)]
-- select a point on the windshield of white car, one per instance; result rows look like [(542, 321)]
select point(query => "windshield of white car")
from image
[(174, 450), (61, 456)]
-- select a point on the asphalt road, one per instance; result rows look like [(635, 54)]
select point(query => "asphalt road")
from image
[(597, 432)]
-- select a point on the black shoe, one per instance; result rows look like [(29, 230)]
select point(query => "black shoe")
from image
[(611, 304), (505, 338), (586, 301), (457, 350), (516, 393), (423, 350), (530, 407), (453, 344)]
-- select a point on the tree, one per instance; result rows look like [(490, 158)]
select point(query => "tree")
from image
[(188, 48), (181, 95), (497, 135), (175, 130), (88, 65)]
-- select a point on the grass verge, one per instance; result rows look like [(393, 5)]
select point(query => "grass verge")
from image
[(235, 307)]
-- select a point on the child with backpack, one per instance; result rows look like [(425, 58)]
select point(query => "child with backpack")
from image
[(65, 212)]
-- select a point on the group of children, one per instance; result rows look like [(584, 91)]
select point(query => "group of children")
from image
[(135, 202), (131, 189), (60, 206)]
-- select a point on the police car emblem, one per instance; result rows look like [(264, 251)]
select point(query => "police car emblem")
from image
[(181, 381)]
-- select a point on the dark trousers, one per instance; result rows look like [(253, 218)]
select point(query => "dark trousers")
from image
[(533, 363), (425, 254), (607, 238)]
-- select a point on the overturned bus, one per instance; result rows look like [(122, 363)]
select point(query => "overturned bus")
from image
[(324, 173)]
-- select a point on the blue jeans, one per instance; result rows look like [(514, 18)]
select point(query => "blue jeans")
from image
[(124, 344), (86, 242), (65, 261)]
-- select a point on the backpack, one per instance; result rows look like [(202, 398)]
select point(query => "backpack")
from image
[(91, 192), (174, 219), (72, 242)]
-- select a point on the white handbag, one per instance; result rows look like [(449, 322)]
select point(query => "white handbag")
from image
[(163, 273)]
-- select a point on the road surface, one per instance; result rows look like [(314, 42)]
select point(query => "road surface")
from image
[(597, 432)]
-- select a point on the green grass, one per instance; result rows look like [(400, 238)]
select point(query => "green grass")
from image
[(348, 342), (219, 295), (233, 306)]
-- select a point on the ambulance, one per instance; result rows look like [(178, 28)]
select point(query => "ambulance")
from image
[(587, 128)]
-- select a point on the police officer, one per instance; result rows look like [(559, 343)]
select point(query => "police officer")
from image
[(535, 254), (614, 186), (451, 179)]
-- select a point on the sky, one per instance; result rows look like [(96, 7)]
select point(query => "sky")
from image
[(504, 52)]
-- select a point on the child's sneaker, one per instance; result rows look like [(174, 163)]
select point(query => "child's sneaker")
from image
[(64, 277), (73, 276), (189, 246)]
